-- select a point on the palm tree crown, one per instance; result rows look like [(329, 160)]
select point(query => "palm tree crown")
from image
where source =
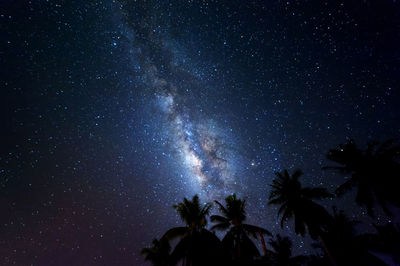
[(192, 213), (233, 216), (298, 202), (195, 240), (374, 172), (158, 254), (234, 213)]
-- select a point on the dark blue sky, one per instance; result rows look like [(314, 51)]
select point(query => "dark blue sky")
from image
[(113, 111)]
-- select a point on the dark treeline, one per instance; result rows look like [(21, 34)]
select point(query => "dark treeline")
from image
[(373, 173)]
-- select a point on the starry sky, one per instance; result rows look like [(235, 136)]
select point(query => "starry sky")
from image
[(112, 111)]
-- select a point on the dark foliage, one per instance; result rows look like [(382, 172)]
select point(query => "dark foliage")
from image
[(236, 240), (373, 173), (282, 253), (195, 240), (297, 202), (347, 247), (158, 254)]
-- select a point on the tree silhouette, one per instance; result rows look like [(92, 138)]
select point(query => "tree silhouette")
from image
[(197, 246), (297, 202), (158, 254), (386, 241), (282, 253), (374, 172), (237, 238), (345, 245)]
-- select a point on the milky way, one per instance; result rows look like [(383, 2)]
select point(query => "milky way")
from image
[(203, 149), (196, 143)]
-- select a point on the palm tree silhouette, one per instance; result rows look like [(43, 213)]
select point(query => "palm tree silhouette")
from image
[(297, 202), (374, 172), (237, 238), (282, 253), (158, 254), (386, 241), (348, 247), (197, 245)]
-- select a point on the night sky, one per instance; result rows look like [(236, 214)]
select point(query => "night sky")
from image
[(113, 111)]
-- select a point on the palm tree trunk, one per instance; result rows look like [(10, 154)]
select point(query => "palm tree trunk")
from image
[(263, 242), (328, 253), (237, 245)]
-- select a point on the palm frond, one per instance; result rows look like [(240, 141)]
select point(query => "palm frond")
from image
[(256, 229), (219, 219), (346, 186), (220, 226), (282, 209), (206, 209), (221, 207), (176, 232)]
